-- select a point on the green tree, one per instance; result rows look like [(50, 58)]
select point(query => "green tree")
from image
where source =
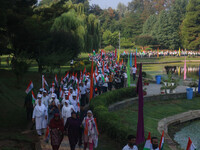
[(110, 38), (149, 25), (190, 28), (176, 16), (68, 34), (92, 38), (162, 30), (131, 25)]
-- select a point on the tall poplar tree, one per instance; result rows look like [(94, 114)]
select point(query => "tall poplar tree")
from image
[(176, 16), (190, 28)]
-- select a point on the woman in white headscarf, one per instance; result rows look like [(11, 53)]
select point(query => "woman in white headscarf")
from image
[(90, 131), (67, 109)]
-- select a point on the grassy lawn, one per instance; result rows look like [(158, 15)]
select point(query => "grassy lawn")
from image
[(155, 111)]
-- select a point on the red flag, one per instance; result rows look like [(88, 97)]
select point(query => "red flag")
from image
[(91, 82), (135, 61), (190, 145), (103, 68)]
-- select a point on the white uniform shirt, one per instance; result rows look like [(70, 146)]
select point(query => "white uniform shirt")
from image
[(125, 75), (88, 86), (134, 69), (39, 111), (74, 104), (128, 148), (66, 112), (83, 89), (106, 82), (56, 101), (45, 100)]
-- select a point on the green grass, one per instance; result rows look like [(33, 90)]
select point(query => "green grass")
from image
[(154, 111)]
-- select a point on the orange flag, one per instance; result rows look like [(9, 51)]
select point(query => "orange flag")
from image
[(91, 82)]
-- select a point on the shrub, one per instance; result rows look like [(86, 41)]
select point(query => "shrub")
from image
[(144, 40), (109, 48), (108, 122)]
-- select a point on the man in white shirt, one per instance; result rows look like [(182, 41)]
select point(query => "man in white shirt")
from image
[(134, 69), (125, 78), (83, 90), (45, 98), (131, 143), (39, 116)]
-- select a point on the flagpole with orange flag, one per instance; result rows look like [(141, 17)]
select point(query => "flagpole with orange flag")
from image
[(91, 82), (135, 60)]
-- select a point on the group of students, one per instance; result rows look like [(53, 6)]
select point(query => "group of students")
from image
[(156, 53), (64, 118), (65, 114), (62, 107)]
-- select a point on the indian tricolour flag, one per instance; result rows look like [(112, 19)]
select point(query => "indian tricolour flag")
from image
[(33, 98), (44, 82), (66, 76), (61, 94), (148, 145), (161, 142), (56, 80), (30, 87), (190, 145)]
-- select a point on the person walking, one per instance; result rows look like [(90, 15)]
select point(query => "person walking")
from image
[(67, 109), (72, 127), (56, 131), (39, 115), (90, 131), (134, 69)]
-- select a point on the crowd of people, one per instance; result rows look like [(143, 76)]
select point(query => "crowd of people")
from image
[(155, 53), (61, 109)]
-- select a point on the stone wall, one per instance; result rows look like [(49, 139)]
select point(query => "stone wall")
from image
[(128, 102)]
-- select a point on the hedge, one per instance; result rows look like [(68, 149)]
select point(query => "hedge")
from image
[(108, 122)]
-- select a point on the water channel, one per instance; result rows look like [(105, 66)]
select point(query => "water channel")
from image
[(176, 68), (192, 131)]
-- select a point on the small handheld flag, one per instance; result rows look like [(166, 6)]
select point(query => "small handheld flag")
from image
[(33, 98), (161, 142), (148, 145), (56, 80), (190, 145), (30, 87)]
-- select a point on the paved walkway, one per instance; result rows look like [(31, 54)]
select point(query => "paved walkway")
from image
[(64, 145), (154, 89)]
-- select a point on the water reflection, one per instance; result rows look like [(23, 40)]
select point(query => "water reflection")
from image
[(192, 131), (192, 71)]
